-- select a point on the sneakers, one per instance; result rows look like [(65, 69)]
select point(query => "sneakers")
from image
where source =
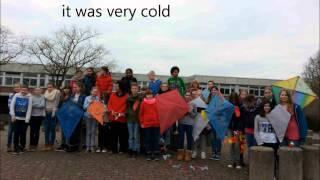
[(238, 167), (60, 149), (230, 166), (104, 151), (149, 157), (98, 150), (15, 152), (215, 157), (203, 155), (156, 157)]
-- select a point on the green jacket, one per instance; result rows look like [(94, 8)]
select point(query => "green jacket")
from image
[(177, 83), (133, 116)]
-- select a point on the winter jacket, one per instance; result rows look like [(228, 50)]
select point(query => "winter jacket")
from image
[(247, 115), (236, 124), (117, 106), (301, 121), (148, 114), (126, 82), (177, 83), (154, 86), (104, 84), (88, 82), (132, 111), (80, 100)]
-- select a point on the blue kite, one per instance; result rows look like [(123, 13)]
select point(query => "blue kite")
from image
[(219, 113), (69, 115)]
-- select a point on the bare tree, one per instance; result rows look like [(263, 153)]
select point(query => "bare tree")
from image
[(10, 46), (312, 73), (69, 49)]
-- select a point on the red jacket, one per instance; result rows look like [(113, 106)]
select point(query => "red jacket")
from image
[(117, 106), (104, 83), (148, 114)]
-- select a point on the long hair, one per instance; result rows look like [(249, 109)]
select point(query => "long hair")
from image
[(262, 112), (234, 98), (290, 103)]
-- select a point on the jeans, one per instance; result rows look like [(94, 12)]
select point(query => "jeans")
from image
[(165, 138), (200, 143), (251, 141), (182, 130), (10, 132), (151, 140), (119, 134), (50, 128), (91, 126), (20, 128), (35, 123), (216, 143), (134, 136), (103, 136), (234, 147)]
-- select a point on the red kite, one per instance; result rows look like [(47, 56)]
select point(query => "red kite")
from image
[(171, 107)]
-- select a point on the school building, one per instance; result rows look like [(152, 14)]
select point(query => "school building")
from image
[(35, 76)]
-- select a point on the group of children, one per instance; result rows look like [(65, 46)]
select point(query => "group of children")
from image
[(132, 126)]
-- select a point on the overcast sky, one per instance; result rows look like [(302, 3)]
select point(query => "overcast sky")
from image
[(261, 39)]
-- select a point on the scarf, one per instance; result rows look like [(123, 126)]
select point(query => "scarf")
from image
[(50, 95)]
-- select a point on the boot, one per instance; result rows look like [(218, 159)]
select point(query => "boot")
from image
[(180, 154), (188, 155), (45, 147)]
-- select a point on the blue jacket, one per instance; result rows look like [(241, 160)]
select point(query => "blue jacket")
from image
[(302, 122), (80, 101), (154, 86)]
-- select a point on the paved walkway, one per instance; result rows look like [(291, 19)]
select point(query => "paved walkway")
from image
[(59, 165)]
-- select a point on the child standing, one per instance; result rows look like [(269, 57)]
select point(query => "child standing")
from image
[(77, 98), (185, 127), (264, 132), (20, 111), (249, 111), (175, 82), (52, 97), (117, 106), (37, 116), (104, 83), (133, 104), (127, 80), (65, 95), (165, 137), (154, 84), (201, 142), (91, 123), (216, 141), (235, 130), (150, 124), (89, 80), (16, 89), (296, 131)]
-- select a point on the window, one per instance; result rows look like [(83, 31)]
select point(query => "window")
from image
[(42, 82), (9, 81), (30, 81)]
